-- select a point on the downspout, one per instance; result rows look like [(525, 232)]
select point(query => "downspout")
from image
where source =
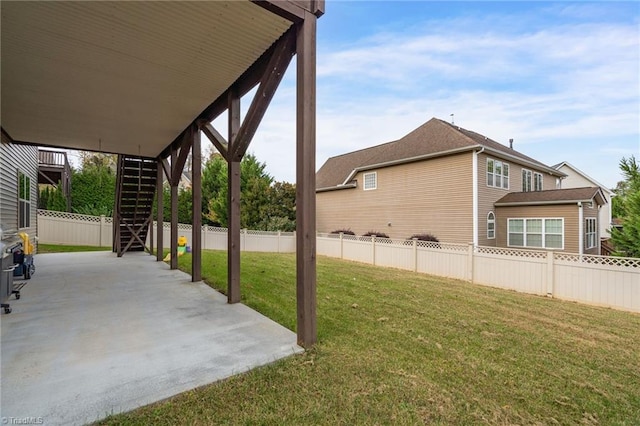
[(580, 229), (474, 192)]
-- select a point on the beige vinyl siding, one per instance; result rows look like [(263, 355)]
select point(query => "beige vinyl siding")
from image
[(575, 180), (14, 157), (592, 212), (488, 195), (569, 212), (432, 196)]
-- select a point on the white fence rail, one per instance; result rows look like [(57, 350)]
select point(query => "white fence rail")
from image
[(598, 280), (78, 229)]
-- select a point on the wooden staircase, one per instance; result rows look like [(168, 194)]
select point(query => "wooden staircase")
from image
[(135, 190)]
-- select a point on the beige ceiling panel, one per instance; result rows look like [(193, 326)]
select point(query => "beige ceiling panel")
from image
[(123, 77)]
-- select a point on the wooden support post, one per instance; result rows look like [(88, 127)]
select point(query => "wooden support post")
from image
[(196, 186), (305, 181), (160, 201), (151, 234), (174, 210), (233, 212), (117, 243)]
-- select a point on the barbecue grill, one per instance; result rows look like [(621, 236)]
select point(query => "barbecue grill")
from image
[(10, 242)]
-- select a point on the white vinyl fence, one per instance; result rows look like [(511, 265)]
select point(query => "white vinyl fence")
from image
[(597, 280), (78, 229)]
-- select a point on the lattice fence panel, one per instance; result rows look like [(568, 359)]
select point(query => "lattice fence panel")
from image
[(68, 216), (628, 262), (530, 254)]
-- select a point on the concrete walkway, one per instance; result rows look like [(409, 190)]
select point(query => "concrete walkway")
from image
[(94, 335)]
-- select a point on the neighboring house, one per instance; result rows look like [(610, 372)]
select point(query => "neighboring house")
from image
[(578, 179), (18, 187), (443, 180), (564, 219)]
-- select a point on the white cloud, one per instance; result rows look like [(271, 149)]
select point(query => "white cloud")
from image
[(564, 91)]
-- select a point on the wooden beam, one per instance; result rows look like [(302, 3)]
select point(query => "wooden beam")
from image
[(174, 213), (278, 63), (178, 166), (233, 209), (247, 81), (47, 178), (305, 181), (166, 167), (117, 244), (160, 206), (293, 10), (196, 186), (216, 139), (135, 234)]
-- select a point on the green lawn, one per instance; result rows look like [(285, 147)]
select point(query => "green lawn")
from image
[(60, 248), (404, 348)]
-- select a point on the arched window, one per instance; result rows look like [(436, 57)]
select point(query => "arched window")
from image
[(491, 226)]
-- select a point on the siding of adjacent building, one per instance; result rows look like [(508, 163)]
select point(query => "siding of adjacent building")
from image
[(575, 180), (567, 211), (14, 158), (488, 195), (592, 211), (432, 196)]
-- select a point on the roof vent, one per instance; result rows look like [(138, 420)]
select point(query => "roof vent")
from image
[(511, 143)]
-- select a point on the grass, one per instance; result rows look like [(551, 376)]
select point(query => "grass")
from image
[(60, 248), (402, 348)]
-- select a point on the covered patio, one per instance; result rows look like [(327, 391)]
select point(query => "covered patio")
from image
[(98, 333), (144, 80), (94, 334)]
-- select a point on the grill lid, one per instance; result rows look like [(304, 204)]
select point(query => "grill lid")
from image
[(9, 241)]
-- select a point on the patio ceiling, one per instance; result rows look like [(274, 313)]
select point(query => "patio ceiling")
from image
[(123, 77)]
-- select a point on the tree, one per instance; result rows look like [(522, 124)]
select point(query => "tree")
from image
[(279, 213), (98, 159), (214, 179), (52, 198), (185, 203), (94, 186), (255, 192), (627, 239)]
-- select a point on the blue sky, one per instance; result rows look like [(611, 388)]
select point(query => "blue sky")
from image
[(560, 78)]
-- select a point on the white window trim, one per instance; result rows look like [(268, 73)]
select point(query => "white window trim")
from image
[(594, 233), (364, 181), (502, 175), (541, 181), (527, 180), (27, 202), (524, 231), (493, 221)]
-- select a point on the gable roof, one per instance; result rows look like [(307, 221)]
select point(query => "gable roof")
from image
[(553, 196), (432, 139), (584, 175)]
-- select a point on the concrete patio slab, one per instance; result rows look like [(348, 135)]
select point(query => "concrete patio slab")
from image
[(94, 334)]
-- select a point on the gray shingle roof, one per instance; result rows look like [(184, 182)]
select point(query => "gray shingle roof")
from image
[(553, 196), (432, 138)]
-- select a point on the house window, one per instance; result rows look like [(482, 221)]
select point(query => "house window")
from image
[(24, 200), (370, 181), (537, 181), (536, 232), (526, 180), (590, 233), (497, 174), (531, 181), (491, 226)]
